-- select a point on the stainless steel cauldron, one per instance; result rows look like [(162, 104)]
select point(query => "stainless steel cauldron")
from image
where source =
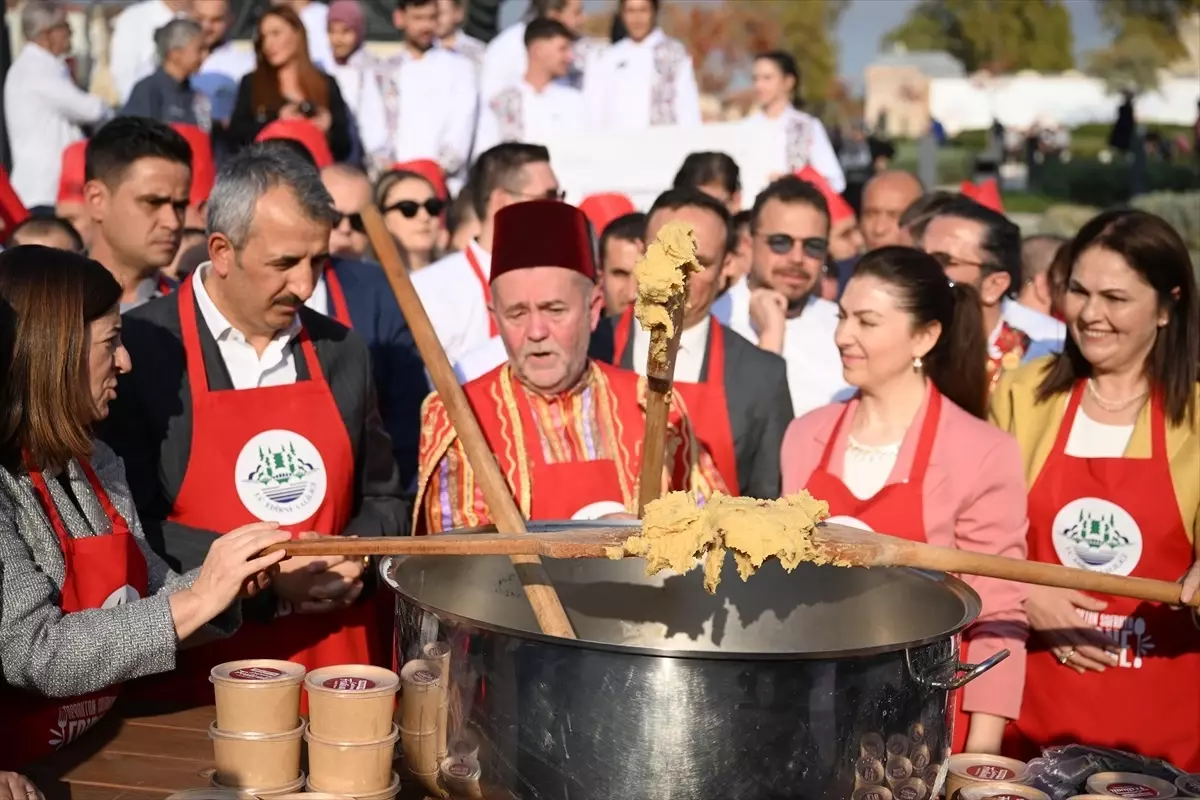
[(774, 688)]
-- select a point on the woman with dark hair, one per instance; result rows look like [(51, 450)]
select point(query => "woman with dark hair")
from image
[(286, 86), (412, 212), (715, 174), (1109, 432), (805, 141), (85, 603), (911, 454)]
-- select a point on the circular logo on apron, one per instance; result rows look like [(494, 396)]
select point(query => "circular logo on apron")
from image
[(280, 477), (1091, 533), (850, 522), (126, 594)]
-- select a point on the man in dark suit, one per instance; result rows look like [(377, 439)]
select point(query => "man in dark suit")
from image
[(736, 394), (358, 295), (246, 406)]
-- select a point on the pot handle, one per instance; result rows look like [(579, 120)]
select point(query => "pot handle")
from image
[(953, 674)]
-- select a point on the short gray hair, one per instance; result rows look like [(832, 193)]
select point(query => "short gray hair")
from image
[(252, 173), (174, 35), (39, 16)]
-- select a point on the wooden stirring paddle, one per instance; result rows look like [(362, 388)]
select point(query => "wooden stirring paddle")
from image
[(547, 607), (852, 546)]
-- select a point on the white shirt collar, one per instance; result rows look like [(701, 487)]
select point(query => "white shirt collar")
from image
[(693, 345), (218, 325), (654, 37)]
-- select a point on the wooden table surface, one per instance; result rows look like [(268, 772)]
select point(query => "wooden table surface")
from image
[(132, 758)]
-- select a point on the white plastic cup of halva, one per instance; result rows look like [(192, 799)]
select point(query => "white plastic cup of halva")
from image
[(351, 702), (257, 695)]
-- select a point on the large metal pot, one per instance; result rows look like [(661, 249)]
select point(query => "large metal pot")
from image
[(773, 688)]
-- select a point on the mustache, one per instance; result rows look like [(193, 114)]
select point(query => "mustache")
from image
[(288, 301), (539, 349)]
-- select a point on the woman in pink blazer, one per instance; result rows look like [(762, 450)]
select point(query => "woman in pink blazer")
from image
[(911, 454)]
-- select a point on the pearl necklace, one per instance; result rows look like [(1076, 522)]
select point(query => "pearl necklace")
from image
[(1112, 406)]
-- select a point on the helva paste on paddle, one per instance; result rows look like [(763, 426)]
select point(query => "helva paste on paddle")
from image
[(660, 277)]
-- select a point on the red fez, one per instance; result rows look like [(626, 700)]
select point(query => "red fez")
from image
[(71, 176), (430, 171), (204, 173), (302, 131), (542, 233), (987, 194), (12, 210), (602, 209), (839, 209)]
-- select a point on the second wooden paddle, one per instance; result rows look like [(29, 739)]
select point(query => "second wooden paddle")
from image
[(857, 547), (551, 616)]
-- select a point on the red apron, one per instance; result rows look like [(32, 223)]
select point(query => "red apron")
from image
[(1115, 515), (484, 285), (337, 298), (898, 508), (101, 571), (276, 453), (705, 401)]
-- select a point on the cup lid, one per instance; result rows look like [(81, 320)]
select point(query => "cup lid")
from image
[(257, 672), (872, 793), (910, 789), (391, 791), (1189, 785), (269, 791), (216, 733), (421, 672), (1000, 790), (463, 769), (352, 679), (390, 739), (1130, 784), (984, 767)]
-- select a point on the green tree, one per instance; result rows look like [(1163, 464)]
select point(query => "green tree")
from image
[(805, 30), (996, 35), (1145, 38)]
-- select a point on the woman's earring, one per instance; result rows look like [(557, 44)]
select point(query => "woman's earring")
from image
[(917, 364)]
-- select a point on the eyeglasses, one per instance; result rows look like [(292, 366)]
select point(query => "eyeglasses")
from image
[(409, 208), (356, 221), (947, 261), (781, 244)]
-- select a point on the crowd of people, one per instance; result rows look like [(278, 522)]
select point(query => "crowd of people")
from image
[(200, 358)]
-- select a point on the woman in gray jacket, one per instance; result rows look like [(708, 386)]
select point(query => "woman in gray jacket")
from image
[(85, 604)]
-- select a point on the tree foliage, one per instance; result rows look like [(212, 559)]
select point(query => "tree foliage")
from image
[(1141, 25), (996, 35)]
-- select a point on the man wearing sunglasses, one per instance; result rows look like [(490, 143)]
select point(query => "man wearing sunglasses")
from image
[(981, 247), (778, 306), (351, 193)]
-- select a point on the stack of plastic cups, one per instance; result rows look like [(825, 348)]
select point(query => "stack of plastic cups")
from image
[(257, 734), (351, 737), (420, 712)]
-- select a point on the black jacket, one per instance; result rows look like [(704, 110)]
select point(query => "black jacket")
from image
[(756, 395), (247, 121), (150, 425)]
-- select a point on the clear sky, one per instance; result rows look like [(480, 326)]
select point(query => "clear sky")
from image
[(864, 25)]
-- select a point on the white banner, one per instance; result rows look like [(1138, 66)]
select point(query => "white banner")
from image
[(642, 164)]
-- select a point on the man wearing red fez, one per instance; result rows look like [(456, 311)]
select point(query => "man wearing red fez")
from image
[(567, 430)]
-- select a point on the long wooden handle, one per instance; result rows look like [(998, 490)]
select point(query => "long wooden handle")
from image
[(965, 562), (551, 616), (592, 543), (660, 376)]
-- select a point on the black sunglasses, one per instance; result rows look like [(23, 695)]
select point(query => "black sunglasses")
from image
[(409, 208), (356, 221), (782, 244)]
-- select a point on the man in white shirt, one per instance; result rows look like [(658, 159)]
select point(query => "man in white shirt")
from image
[(315, 16), (537, 106), (776, 306), (138, 180), (644, 80), (451, 36), (455, 290), (504, 63), (132, 55), (351, 193), (430, 94), (45, 107), (225, 65)]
